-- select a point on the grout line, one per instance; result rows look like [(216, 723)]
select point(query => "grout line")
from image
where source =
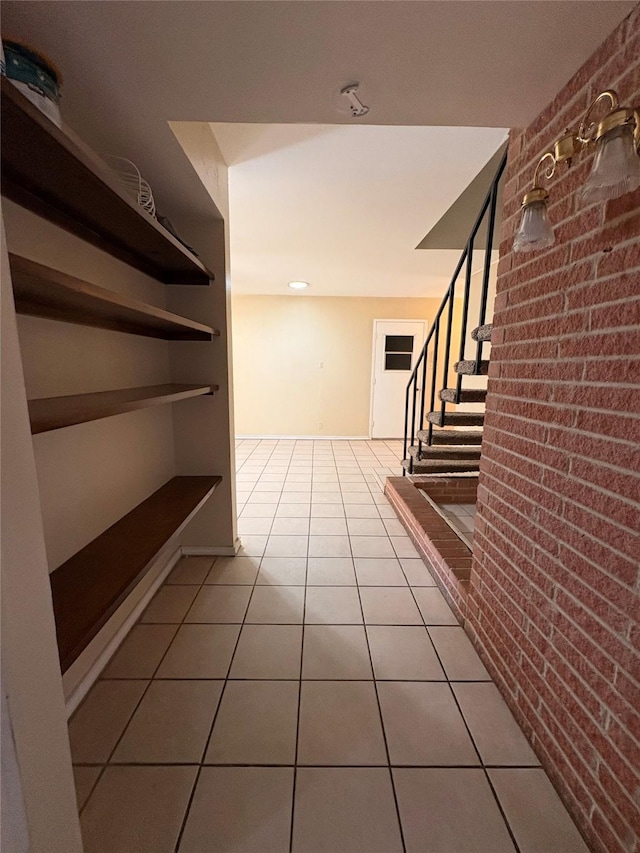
[(295, 768), (149, 682), (382, 727), (355, 462), (322, 625), (320, 766), (219, 705), (482, 764)]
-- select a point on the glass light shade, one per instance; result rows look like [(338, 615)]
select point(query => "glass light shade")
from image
[(616, 166), (535, 231)]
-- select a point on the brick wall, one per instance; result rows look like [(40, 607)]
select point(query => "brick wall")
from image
[(554, 597)]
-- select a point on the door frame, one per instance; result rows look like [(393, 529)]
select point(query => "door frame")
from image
[(373, 359)]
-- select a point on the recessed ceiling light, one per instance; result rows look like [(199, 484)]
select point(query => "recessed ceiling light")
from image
[(298, 285)]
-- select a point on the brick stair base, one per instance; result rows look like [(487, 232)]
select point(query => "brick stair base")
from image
[(447, 557)]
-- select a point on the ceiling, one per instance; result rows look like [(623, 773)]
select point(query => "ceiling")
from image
[(132, 67), (344, 207)]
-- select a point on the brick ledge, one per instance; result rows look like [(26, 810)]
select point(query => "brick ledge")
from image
[(447, 557)]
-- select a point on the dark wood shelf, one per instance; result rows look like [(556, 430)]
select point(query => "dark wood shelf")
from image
[(49, 413), (91, 585), (51, 172), (44, 292)]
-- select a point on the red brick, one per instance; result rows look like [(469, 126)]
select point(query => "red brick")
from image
[(626, 817), (610, 425), (516, 426), (608, 398), (550, 327), (616, 481), (594, 447), (627, 745), (613, 370), (616, 316), (605, 239), (609, 534), (548, 306), (628, 203), (605, 636), (601, 344), (553, 600), (619, 287), (536, 411), (610, 843), (620, 260), (524, 289), (525, 351)]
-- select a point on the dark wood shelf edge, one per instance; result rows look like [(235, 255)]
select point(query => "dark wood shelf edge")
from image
[(49, 413), (41, 184), (89, 587), (41, 291)]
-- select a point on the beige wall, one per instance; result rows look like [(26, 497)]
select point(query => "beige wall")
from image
[(278, 345)]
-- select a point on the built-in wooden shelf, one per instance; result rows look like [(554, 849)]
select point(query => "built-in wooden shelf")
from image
[(50, 171), (91, 585), (49, 413), (44, 292)]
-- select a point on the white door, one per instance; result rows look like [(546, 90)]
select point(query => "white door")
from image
[(396, 346)]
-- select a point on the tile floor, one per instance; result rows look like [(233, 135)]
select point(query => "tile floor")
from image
[(313, 694), (462, 517)]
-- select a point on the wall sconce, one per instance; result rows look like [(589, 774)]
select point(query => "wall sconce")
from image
[(615, 170), (535, 231)]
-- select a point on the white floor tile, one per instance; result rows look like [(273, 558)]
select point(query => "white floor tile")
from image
[(276, 605), (240, 809), (372, 546), (286, 546), (282, 571), (350, 809), (333, 605), (329, 546), (330, 571), (320, 544), (335, 652), (379, 571), (453, 808), (340, 724)]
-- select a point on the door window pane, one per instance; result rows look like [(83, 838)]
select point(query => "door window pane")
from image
[(398, 343), (397, 361)]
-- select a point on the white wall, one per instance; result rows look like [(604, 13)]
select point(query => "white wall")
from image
[(90, 475), (30, 668)]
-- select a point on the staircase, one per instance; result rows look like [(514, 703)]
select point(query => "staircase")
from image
[(438, 440)]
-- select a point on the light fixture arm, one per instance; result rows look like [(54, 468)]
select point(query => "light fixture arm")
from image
[(587, 132), (615, 168), (550, 170), (617, 116)]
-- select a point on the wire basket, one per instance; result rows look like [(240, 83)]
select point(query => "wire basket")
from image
[(129, 177)]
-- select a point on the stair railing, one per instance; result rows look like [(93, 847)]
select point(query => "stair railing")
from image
[(416, 394)]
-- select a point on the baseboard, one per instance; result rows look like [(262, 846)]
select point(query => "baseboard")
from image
[(92, 675), (303, 437), (225, 551)]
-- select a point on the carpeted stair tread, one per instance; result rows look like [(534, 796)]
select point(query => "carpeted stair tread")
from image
[(445, 451), (451, 436), (441, 466), (456, 418), (468, 368), (467, 395), (482, 333)]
